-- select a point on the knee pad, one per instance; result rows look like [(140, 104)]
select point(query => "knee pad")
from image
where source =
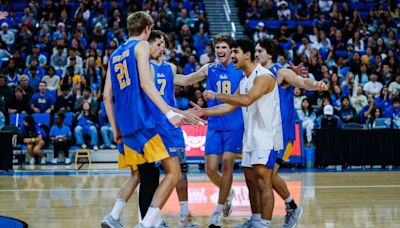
[(184, 167)]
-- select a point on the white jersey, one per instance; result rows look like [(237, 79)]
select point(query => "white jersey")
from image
[(262, 119)]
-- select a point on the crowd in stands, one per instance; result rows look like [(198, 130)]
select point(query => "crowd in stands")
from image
[(352, 45), (54, 57)]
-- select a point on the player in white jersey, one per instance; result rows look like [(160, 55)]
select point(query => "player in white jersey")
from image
[(262, 127)]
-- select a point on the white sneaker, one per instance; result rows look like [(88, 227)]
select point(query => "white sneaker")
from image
[(95, 148), (187, 221), (32, 161), (215, 220), (84, 146), (43, 160), (112, 146), (67, 161), (227, 210), (54, 161)]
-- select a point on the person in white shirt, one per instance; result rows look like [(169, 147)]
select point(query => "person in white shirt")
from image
[(373, 86), (359, 100), (394, 87), (52, 80), (6, 35)]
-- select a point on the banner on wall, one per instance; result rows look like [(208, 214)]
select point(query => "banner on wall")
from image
[(195, 140)]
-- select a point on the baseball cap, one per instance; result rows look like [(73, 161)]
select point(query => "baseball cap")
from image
[(328, 110)]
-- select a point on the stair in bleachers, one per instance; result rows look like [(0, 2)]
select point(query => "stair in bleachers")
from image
[(223, 17)]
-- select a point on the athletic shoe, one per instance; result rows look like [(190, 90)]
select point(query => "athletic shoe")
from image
[(67, 161), (84, 146), (54, 161), (215, 220), (187, 221), (112, 146), (162, 225), (95, 148), (43, 160), (292, 216), (32, 161), (109, 222), (227, 210)]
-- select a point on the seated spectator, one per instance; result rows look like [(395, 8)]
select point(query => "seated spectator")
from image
[(86, 97), (42, 102), (205, 57), (66, 101), (24, 83), (11, 73), (307, 117), (5, 90), (36, 54), (366, 110), (336, 97), (61, 136), (373, 86), (383, 100), (106, 130), (376, 113), (52, 81), (33, 137), (283, 11), (59, 59), (359, 100), (394, 87), (298, 98), (328, 120), (303, 13), (191, 66), (34, 78), (19, 103), (86, 126), (6, 35), (393, 112), (260, 32), (347, 112)]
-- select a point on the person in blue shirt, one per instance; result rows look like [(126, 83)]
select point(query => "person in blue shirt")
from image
[(225, 133), (393, 112), (383, 100), (105, 129), (366, 110), (33, 137), (87, 124), (42, 102), (61, 136)]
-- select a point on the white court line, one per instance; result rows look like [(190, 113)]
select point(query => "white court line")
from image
[(117, 189)]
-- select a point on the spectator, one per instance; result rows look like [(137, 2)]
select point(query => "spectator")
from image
[(36, 54), (59, 59), (11, 73), (393, 112), (66, 101), (283, 11), (373, 87), (305, 47), (298, 98), (52, 81), (383, 100), (394, 87), (86, 126), (42, 102), (6, 35), (61, 137), (347, 113), (78, 70), (24, 83), (366, 110), (191, 66), (5, 90), (362, 77), (307, 117), (106, 130), (19, 103), (260, 32), (33, 137), (357, 42), (376, 113), (336, 97), (325, 5), (86, 97), (328, 120), (303, 13), (205, 57)]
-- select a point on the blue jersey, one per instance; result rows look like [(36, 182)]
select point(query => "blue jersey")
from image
[(131, 105), (164, 81), (224, 80), (287, 108)]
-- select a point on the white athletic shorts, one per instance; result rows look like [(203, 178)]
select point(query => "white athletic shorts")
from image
[(259, 157)]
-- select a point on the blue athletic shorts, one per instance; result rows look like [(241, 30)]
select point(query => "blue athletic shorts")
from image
[(220, 141)]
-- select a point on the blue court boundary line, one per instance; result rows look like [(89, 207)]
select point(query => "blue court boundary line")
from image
[(127, 172)]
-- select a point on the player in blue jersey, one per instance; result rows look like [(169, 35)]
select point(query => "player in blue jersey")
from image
[(129, 96), (266, 54), (164, 74), (225, 133)]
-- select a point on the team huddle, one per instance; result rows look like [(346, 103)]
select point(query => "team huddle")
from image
[(250, 109)]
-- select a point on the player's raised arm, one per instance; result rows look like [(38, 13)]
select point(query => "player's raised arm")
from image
[(305, 83), (185, 80), (109, 104), (263, 84), (142, 52)]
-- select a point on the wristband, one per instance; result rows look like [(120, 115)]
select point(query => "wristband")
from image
[(170, 114)]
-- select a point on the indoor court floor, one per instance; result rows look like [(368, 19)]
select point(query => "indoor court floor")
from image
[(81, 198)]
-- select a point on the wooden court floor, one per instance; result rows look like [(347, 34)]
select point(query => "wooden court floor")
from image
[(343, 199)]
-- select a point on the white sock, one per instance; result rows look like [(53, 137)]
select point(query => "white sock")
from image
[(266, 223), (153, 217), (256, 217), (184, 207), (118, 207), (219, 208), (289, 199)]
